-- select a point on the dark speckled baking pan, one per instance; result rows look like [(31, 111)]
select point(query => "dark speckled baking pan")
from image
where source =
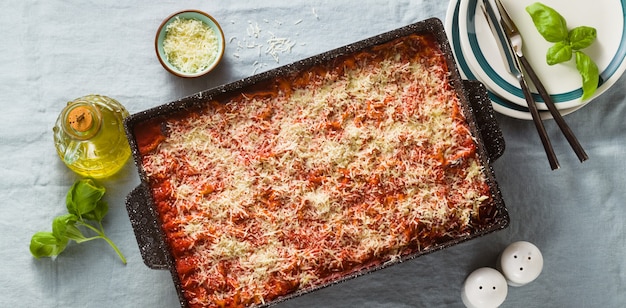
[(474, 102)]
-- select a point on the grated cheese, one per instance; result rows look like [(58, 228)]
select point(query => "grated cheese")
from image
[(270, 45), (190, 45)]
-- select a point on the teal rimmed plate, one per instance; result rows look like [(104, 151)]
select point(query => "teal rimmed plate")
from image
[(499, 104), (561, 80)]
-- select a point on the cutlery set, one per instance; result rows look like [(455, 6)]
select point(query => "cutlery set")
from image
[(509, 41)]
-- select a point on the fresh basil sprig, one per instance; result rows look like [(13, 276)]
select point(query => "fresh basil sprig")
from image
[(84, 204), (553, 27)]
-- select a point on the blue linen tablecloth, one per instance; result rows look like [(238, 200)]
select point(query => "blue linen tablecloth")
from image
[(55, 51)]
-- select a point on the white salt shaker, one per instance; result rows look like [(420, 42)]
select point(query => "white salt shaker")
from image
[(520, 263), (484, 288)]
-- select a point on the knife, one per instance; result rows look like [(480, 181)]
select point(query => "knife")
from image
[(514, 67)]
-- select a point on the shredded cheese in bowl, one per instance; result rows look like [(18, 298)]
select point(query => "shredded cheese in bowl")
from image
[(188, 46)]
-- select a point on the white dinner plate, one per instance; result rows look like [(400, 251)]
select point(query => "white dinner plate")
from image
[(499, 104), (561, 80)]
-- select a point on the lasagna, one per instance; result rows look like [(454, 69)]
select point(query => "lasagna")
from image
[(315, 176)]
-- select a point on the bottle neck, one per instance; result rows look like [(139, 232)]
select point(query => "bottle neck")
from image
[(81, 120)]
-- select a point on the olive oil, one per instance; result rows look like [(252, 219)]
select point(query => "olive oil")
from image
[(89, 136)]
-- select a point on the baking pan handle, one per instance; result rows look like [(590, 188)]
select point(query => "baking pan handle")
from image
[(485, 118), (146, 227)]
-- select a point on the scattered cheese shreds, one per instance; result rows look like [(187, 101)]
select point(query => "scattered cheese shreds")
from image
[(278, 45), (272, 45), (190, 45)]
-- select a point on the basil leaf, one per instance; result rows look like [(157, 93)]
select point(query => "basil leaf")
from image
[(64, 227), (61, 223), (98, 213), (560, 52), (582, 37), (589, 72), (83, 202), (550, 24), (45, 244), (83, 197)]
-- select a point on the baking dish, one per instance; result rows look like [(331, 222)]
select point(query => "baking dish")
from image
[(475, 107)]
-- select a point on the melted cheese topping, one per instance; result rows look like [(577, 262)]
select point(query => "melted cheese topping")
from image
[(354, 164), (190, 45)]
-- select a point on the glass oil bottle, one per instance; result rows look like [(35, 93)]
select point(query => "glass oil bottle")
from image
[(89, 136)]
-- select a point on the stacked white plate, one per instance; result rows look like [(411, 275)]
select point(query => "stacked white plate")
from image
[(478, 56)]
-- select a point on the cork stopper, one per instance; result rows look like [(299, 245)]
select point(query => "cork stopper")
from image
[(80, 119)]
